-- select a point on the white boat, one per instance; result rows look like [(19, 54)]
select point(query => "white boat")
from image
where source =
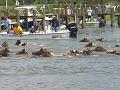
[(38, 35)]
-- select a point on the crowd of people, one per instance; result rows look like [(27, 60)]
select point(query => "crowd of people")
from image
[(52, 26), (93, 16), (18, 28), (11, 28)]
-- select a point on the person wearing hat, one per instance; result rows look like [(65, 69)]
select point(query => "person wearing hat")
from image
[(17, 29), (7, 24)]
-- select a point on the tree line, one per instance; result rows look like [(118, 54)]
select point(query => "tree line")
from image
[(28, 2)]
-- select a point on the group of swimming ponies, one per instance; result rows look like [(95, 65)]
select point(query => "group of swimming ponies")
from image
[(43, 52)]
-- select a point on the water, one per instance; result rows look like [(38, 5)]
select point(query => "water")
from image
[(95, 72)]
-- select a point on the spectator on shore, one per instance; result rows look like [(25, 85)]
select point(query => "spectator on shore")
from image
[(94, 14), (89, 12)]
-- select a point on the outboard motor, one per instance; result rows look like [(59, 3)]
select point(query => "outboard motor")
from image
[(73, 28)]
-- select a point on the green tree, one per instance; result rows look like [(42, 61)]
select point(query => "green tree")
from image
[(27, 2), (10, 2)]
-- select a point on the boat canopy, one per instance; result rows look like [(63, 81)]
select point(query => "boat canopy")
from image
[(26, 7)]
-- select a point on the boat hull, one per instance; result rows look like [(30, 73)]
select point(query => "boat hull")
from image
[(41, 35)]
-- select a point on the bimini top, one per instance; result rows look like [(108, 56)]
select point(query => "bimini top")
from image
[(26, 7), (29, 10)]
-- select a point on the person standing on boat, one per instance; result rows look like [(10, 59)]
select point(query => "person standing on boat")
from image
[(24, 24), (7, 24), (55, 24), (34, 29), (17, 29)]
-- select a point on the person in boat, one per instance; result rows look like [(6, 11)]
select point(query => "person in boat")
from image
[(55, 24), (32, 30), (7, 24), (17, 29), (73, 28), (48, 29), (24, 24), (35, 28)]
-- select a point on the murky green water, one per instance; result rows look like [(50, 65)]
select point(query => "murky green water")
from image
[(95, 72)]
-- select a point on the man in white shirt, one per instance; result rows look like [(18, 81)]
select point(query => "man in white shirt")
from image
[(89, 11)]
